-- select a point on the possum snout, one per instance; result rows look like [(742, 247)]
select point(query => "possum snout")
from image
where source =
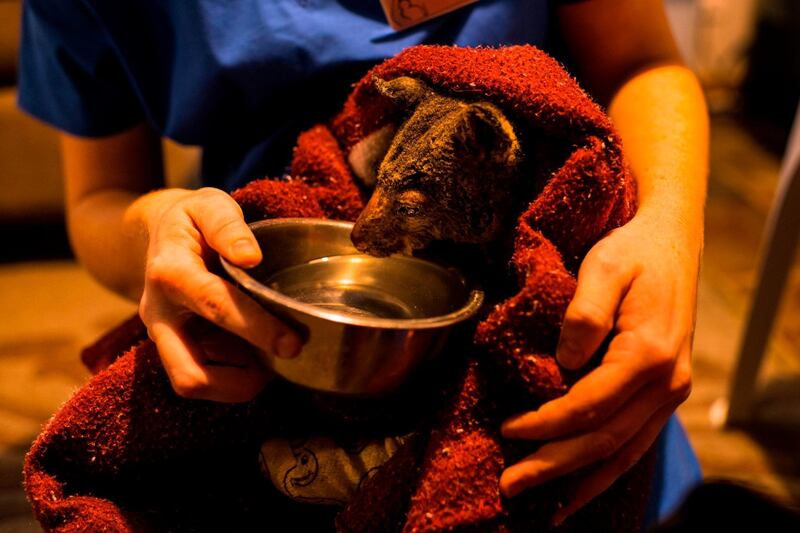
[(374, 232)]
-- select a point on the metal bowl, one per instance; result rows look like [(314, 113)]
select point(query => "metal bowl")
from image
[(368, 321)]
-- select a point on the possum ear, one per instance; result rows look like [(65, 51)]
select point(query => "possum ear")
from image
[(487, 130), (405, 91)]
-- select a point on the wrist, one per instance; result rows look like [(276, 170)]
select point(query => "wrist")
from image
[(110, 231), (677, 223)]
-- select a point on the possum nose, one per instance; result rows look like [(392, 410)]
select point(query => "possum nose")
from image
[(364, 230), (374, 232), (369, 237), (371, 240), (357, 236)]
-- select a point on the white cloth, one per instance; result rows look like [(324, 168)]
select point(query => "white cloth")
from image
[(321, 470)]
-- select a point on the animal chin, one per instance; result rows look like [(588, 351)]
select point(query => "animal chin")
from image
[(378, 248), (386, 245), (404, 245)]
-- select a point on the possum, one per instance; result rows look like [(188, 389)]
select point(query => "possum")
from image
[(449, 174)]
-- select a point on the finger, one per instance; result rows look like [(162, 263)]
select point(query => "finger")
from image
[(557, 458), (589, 403), (590, 315), (601, 478), (184, 360), (191, 286), (219, 218), (218, 346)]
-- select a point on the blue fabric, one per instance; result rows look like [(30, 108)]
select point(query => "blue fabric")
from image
[(677, 473), (238, 77)]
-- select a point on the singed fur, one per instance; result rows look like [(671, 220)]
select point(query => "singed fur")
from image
[(449, 174)]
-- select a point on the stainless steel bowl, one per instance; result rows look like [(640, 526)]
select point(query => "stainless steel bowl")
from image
[(369, 321)]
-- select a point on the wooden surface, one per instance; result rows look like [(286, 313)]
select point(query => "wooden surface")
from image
[(51, 309)]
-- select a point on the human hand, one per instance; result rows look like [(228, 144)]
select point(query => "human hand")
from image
[(207, 362), (639, 282)]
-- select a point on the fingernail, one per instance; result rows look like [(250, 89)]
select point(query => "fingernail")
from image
[(288, 345), (245, 249), (567, 354)]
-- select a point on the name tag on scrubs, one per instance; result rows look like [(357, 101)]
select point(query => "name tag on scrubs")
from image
[(403, 14)]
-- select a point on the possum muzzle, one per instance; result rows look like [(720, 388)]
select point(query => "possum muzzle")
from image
[(374, 232)]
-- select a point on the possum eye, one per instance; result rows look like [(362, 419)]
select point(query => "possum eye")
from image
[(407, 210), (409, 203)]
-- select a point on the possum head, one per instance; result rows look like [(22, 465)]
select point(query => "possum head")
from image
[(449, 173)]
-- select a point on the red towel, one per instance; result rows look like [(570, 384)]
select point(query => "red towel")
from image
[(126, 453)]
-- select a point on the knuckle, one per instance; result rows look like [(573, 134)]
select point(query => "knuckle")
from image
[(166, 280), (682, 383), (659, 355), (605, 444), (586, 415), (144, 311), (587, 315), (160, 271), (684, 391), (208, 192), (603, 258), (210, 302)]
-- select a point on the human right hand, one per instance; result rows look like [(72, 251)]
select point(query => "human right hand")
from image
[(639, 285), (185, 237)]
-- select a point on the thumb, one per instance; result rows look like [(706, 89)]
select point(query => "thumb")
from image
[(590, 315), (219, 218)]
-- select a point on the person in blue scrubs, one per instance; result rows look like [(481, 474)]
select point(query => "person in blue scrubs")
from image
[(242, 78)]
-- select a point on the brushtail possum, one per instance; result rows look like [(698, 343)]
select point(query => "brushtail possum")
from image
[(449, 173)]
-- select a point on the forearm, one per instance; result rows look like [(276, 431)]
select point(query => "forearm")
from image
[(108, 204), (109, 234), (662, 119)]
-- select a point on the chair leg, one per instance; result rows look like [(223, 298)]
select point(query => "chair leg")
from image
[(780, 240)]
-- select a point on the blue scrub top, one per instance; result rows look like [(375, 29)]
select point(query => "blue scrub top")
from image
[(240, 78), (677, 472)]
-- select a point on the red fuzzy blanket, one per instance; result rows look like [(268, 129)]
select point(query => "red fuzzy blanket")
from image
[(126, 453)]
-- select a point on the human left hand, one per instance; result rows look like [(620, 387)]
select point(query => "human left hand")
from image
[(639, 282)]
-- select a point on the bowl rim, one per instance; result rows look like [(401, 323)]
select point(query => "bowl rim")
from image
[(470, 307)]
